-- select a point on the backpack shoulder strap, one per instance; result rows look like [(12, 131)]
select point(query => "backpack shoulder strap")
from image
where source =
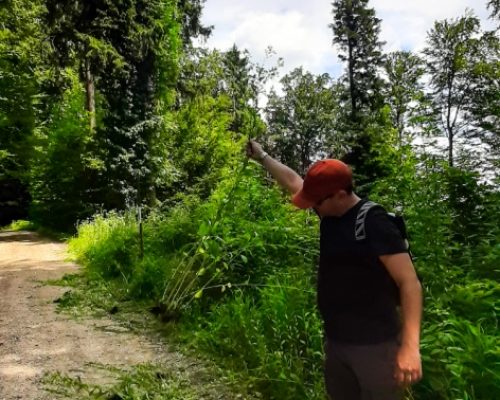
[(359, 225)]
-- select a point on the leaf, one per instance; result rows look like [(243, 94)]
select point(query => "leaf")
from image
[(198, 294), (204, 229)]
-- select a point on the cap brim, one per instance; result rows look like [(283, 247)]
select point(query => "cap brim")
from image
[(300, 201)]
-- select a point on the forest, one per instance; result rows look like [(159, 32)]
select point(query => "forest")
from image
[(120, 130)]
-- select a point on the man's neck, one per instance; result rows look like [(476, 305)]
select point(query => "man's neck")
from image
[(349, 203)]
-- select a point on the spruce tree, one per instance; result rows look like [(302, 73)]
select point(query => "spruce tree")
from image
[(494, 7), (356, 32), (190, 15)]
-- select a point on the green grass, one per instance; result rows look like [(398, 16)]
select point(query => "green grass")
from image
[(141, 382), (193, 377), (23, 225), (242, 283)]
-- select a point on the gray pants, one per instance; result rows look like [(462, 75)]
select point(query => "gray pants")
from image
[(361, 372)]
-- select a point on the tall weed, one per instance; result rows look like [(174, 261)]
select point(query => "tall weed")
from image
[(107, 245), (273, 337)]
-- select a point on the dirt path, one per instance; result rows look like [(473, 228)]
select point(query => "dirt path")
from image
[(34, 339)]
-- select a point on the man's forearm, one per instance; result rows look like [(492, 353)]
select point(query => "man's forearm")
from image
[(286, 177), (411, 308)]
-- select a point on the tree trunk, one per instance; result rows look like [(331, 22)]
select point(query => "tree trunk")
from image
[(352, 84), (399, 126), (450, 149), (90, 93)]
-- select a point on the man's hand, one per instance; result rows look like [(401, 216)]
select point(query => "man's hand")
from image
[(408, 366), (286, 177), (254, 150)]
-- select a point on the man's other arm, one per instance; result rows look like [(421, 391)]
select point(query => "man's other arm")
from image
[(408, 363)]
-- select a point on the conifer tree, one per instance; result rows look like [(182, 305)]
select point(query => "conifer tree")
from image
[(190, 15), (494, 7), (356, 32), (130, 50)]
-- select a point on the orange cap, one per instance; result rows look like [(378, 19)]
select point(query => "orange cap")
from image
[(323, 179)]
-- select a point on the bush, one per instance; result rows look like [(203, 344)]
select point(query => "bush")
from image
[(107, 245), (274, 336), (240, 266), (460, 359)]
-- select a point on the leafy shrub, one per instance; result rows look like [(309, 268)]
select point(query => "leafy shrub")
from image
[(460, 359), (477, 301), (107, 245), (21, 225), (273, 336), (239, 266), (63, 170)]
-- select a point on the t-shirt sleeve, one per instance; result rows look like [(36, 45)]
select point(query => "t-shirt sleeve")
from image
[(383, 235)]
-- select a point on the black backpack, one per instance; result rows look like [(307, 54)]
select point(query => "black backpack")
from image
[(360, 229), (398, 220)]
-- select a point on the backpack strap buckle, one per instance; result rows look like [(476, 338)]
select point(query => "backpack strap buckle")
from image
[(359, 225)]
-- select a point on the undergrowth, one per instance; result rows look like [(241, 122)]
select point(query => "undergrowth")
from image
[(24, 225), (234, 277), (142, 382)]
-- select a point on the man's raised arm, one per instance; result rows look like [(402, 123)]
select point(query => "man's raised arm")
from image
[(286, 177)]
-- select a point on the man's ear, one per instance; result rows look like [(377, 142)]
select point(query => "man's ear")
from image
[(342, 194)]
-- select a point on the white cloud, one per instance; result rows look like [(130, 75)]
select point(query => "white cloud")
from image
[(288, 33), (298, 30), (300, 37), (405, 24)]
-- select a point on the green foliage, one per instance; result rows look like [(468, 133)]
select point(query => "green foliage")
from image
[(20, 45), (190, 12), (23, 76), (478, 301), (63, 165), (356, 31), (107, 245), (404, 90), (484, 108), (461, 359), (244, 233), (301, 120), (273, 336), (200, 147), (452, 50), (21, 225), (142, 382), (136, 78)]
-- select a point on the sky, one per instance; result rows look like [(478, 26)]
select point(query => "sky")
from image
[(298, 30)]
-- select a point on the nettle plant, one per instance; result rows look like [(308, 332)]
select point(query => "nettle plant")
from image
[(245, 232)]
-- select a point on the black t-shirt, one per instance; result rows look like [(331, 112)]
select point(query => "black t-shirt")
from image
[(357, 297)]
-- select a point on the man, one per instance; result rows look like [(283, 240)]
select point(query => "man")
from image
[(371, 351)]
